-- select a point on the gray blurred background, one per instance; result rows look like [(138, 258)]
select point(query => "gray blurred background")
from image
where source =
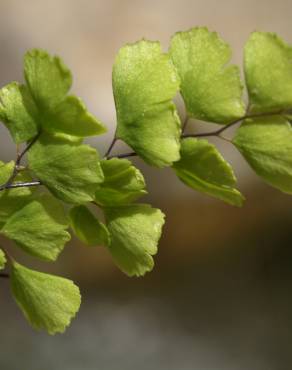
[(220, 296)]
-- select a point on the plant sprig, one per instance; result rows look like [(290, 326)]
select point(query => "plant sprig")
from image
[(65, 180)]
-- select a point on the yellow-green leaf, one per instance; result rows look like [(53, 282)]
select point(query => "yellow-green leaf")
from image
[(144, 83), (211, 89), (48, 302)]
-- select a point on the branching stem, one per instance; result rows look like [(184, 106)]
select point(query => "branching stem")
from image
[(20, 155), (9, 184)]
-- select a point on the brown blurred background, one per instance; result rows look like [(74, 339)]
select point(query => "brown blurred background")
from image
[(220, 297)]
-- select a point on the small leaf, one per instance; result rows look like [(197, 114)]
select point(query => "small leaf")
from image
[(2, 259), (123, 183), (13, 199), (268, 72), (266, 144), (71, 172), (18, 112), (144, 83), (71, 117), (48, 302), (48, 79), (211, 90), (204, 169), (88, 228), (135, 231), (39, 228)]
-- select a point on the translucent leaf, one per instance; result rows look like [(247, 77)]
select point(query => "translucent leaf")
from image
[(266, 144), (211, 90), (135, 231), (204, 169), (123, 183), (144, 83), (13, 199), (268, 72), (71, 172), (2, 260), (88, 228), (48, 79), (72, 117), (39, 228), (18, 112), (48, 302)]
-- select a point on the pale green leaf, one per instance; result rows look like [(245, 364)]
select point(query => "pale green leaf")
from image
[(18, 112), (2, 259), (87, 227), (211, 89), (13, 200), (144, 83), (71, 117), (135, 231), (48, 79), (48, 302), (268, 72), (123, 183), (266, 144), (71, 172), (204, 169), (39, 227)]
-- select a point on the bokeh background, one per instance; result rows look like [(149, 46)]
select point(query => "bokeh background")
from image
[(220, 296)]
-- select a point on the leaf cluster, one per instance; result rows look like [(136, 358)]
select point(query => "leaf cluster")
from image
[(58, 191)]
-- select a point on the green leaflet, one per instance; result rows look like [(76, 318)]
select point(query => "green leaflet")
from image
[(48, 79), (43, 103), (268, 72), (13, 199), (144, 83), (87, 227), (48, 302), (135, 231), (70, 171), (18, 112), (266, 144), (39, 228), (211, 90), (204, 169), (2, 259), (72, 117), (123, 183)]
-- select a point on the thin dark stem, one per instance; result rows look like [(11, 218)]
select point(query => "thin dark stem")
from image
[(110, 147), (20, 155), (226, 127), (123, 155), (4, 275), (20, 185)]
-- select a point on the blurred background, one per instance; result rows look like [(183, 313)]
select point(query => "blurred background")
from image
[(220, 296)]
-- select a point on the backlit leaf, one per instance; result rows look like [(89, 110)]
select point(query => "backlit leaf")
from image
[(48, 302), (123, 183), (211, 89), (268, 72), (266, 144), (204, 169), (144, 83), (72, 117), (135, 231), (88, 228), (18, 112), (48, 79), (39, 228), (70, 171)]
